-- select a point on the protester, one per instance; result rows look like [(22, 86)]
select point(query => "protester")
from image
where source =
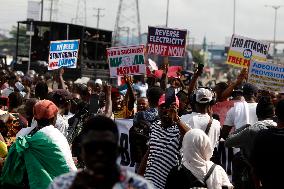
[(244, 138), (243, 112), (35, 159), (61, 98), (41, 90), (100, 153), (196, 169), (201, 118), (266, 155), (165, 136), (123, 106), (142, 104), (12, 121)]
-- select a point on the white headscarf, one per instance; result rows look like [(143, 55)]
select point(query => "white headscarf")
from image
[(197, 151)]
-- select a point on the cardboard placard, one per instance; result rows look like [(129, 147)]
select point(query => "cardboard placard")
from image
[(128, 60), (243, 50), (166, 41), (266, 76), (63, 54)]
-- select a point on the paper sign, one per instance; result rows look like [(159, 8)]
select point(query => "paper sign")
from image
[(63, 54), (266, 76), (166, 41), (128, 60), (243, 49)]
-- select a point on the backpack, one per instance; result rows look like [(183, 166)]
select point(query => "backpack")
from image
[(182, 178)]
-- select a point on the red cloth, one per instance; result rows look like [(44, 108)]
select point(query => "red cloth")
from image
[(172, 72)]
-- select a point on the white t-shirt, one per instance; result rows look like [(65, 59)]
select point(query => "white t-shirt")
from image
[(62, 124), (200, 121), (241, 114)]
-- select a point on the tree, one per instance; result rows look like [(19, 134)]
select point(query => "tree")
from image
[(9, 44), (197, 57)]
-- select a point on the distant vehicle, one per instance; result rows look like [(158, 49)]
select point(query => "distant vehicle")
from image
[(92, 53)]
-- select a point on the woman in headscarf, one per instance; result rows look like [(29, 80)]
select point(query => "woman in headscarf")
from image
[(196, 169)]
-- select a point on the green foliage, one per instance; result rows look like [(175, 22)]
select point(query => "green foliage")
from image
[(197, 57), (10, 43)]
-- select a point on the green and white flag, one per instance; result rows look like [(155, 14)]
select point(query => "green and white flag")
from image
[(44, 156)]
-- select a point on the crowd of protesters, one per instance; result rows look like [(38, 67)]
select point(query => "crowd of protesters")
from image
[(61, 134)]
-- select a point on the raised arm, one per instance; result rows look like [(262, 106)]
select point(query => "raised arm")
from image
[(164, 78), (108, 109), (193, 81), (130, 97), (228, 92), (61, 80)]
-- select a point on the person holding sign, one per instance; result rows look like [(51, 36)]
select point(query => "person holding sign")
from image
[(123, 107)]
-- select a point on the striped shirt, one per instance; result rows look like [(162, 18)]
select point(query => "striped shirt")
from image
[(164, 147)]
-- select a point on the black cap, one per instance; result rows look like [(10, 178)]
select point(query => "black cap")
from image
[(249, 89)]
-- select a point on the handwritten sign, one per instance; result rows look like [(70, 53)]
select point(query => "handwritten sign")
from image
[(166, 41), (243, 50), (266, 76), (128, 60), (63, 54)]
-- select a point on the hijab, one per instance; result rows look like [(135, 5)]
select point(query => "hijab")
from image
[(197, 151)]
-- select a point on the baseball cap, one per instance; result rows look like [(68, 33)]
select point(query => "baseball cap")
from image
[(162, 100), (98, 81), (203, 96), (45, 109)]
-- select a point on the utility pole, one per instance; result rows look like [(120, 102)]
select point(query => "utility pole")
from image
[(41, 11), (167, 14), (234, 18), (275, 7), (51, 9), (98, 15), (81, 12)]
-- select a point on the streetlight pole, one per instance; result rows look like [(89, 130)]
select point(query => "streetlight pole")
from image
[(167, 14), (275, 7)]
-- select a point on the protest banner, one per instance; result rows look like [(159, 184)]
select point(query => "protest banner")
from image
[(243, 49), (128, 60), (266, 76), (124, 126), (63, 54), (166, 41)]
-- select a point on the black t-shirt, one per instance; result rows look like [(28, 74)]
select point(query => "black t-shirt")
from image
[(267, 157)]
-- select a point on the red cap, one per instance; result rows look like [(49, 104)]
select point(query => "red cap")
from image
[(45, 109), (162, 100)]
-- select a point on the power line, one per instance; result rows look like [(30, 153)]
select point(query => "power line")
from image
[(81, 10), (127, 23), (98, 15)]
